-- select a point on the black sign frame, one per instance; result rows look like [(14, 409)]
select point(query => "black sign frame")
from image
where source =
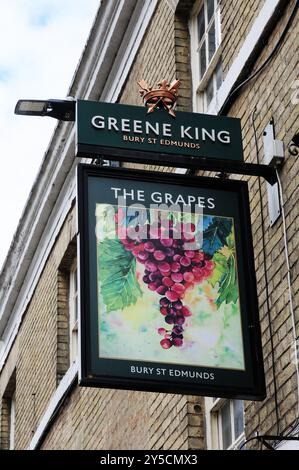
[(248, 384)]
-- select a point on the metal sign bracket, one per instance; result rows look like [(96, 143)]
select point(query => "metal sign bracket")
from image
[(181, 161)]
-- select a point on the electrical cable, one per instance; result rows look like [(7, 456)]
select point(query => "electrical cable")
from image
[(264, 438), (294, 428), (266, 277), (286, 251), (269, 58), (254, 438), (233, 92)]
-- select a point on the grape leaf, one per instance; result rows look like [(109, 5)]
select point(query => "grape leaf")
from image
[(117, 270), (214, 237), (219, 270), (231, 241), (228, 286)]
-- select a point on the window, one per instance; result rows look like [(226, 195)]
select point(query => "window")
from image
[(73, 312), (12, 422), (67, 311), (8, 415), (206, 53), (225, 423)]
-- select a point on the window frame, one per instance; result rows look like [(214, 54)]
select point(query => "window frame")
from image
[(12, 421), (8, 414), (200, 84), (73, 312), (214, 424)]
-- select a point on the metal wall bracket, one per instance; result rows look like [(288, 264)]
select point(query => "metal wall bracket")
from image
[(180, 161), (273, 155)]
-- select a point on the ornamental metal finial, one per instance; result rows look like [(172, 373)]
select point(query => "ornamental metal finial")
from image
[(166, 95)]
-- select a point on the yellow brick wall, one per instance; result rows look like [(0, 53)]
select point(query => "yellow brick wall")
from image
[(36, 364), (110, 419), (35, 353), (154, 62), (98, 418), (119, 419), (5, 424), (237, 17), (135, 420), (155, 59), (7, 387), (101, 419), (271, 93)]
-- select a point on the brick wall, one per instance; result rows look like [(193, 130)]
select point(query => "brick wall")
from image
[(271, 94), (63, 333), (35, 354), (154, 62), (164, 53), (101, 419), (5, 424), (237, 17), (133, 420), (7, 390), (155, 59), (98, 418), (111, 419), (36, 365), (119, 419)]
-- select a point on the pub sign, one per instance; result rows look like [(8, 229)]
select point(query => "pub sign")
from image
[(167, 284)]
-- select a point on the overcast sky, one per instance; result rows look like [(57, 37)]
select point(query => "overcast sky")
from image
[(41, 43)]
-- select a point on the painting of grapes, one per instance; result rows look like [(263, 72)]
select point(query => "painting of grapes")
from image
[(164, 298)]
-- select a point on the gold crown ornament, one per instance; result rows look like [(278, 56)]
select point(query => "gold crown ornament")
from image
[(166, 95)]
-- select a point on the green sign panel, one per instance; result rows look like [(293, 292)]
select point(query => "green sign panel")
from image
[(106, 125)]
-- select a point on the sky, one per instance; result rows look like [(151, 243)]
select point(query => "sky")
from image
[(41, 44)]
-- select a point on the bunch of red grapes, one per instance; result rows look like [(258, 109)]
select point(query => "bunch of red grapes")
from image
[(170, 270)]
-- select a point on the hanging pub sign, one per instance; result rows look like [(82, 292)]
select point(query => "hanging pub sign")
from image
[(168, 292), (104, 127)]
